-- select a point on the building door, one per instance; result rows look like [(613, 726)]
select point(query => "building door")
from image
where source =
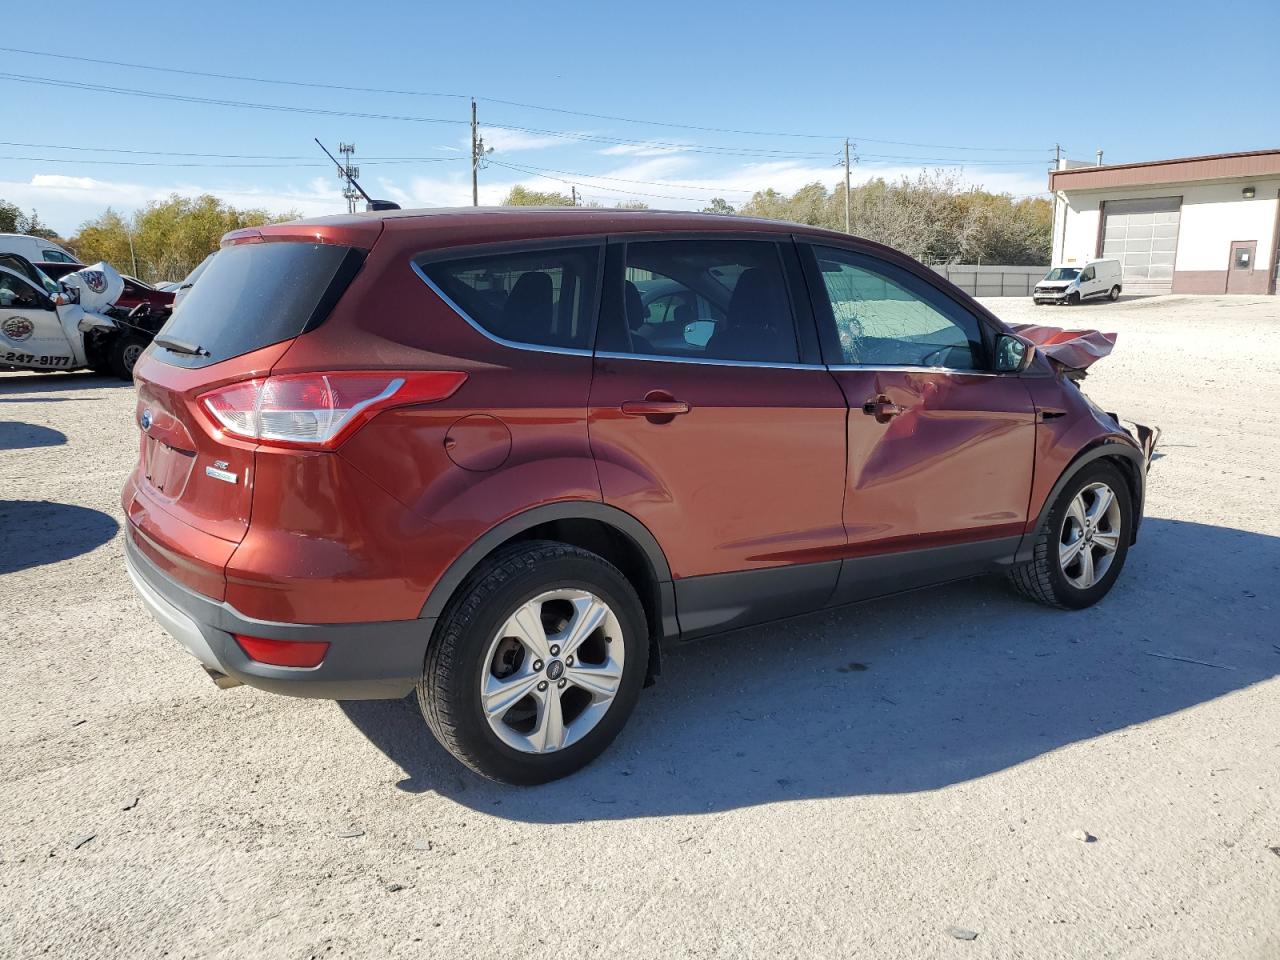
[(1240, 269), (1143, 236)]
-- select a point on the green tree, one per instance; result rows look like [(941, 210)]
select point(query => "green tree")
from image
[(167, 238), (720, 206), (524, 197), (13, 220)]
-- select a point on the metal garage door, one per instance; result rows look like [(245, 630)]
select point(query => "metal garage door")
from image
[(1143, 236)]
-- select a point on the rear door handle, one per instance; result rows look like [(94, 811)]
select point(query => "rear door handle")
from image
[(882, 408), (658, 406)]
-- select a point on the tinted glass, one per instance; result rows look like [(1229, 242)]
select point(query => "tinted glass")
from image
[(886, 317), (540, 297), (706, 299), (252, 295), (16, 293)]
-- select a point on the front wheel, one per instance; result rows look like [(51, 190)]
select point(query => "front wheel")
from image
[(1074, 300), (536, 664), (1080, 550), (123, 354)]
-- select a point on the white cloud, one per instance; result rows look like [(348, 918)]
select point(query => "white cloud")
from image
[(513, 141), (65, 202), (638, 150)]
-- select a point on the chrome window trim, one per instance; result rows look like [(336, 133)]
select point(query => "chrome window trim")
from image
[(908, 368), (501, 341), (710, 362)]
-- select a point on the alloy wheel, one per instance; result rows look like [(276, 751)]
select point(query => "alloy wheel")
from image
[(1090, 535), (552, 671)]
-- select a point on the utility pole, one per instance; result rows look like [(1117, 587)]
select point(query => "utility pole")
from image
[(1057, 165), (348, 173), (475, 157), (846, 186), (573, 192)]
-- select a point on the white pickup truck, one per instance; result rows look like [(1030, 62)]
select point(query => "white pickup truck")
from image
[(70, 324)]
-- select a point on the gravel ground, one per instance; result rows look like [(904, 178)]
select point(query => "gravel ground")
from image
[(766, 800)]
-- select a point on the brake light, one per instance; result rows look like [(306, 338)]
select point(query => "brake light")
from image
[(320, 409), (283, 653)]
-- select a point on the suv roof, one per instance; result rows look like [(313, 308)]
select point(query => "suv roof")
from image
[(466, 225)]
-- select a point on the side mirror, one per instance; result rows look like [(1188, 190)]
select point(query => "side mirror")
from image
[(72, 294), (1013, 354)]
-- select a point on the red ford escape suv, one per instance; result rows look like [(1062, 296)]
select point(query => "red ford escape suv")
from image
[(503, 457)]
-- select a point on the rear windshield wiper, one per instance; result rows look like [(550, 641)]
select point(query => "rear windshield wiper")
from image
[(182, 346)]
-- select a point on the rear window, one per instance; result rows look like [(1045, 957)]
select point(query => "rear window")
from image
[(540, 297), (252, 295)]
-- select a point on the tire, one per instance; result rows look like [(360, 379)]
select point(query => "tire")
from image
[(1045, 578), (1113, 294), (123, 353), (1074, 300), (471, 649)]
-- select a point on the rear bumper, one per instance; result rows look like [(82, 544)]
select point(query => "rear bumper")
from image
[(365, 661)]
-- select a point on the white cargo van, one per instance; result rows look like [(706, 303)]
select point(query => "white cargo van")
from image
[(35, 249), (1097, 278)]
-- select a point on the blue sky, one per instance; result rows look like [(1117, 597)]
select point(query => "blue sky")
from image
[(984, 88)]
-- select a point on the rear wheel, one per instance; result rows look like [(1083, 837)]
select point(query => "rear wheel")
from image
[(1113, 294), (537, 663), (1080, 550)]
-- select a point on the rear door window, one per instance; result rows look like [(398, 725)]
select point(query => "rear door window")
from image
[(252, 295), (705, 300), (543, 298)]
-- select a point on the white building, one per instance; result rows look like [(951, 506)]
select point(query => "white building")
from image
[(1192, 225)]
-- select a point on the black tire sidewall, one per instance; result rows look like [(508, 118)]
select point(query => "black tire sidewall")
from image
[(1067, 594), (117, 356), (472, 632)]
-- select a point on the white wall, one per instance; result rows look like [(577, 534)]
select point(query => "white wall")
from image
[(1213, 215), (1079, 221)]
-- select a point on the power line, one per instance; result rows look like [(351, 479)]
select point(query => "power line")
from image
[(221, 166), (661, 146), (212, 156), (616, 190), (183, 98), (519, 104)]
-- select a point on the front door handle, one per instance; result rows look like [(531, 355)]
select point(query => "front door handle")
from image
[(658, 406), (882, 408)]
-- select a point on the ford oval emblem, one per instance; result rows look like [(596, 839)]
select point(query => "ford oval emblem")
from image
[(146, 419)]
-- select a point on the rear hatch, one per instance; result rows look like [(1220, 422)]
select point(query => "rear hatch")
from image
[(256, 295)]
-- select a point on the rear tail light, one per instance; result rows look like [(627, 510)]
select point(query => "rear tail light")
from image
[(319, 409), (283, 653)]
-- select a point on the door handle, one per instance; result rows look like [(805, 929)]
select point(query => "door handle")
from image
[(658, 406), (882, 408)]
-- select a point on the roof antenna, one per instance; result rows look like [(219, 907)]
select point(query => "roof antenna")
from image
[(370, 203)]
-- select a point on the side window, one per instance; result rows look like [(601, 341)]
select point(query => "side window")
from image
[(1089, 274), (707, 300), (540, 297), (16, 293), (56, 256), (886, 317)]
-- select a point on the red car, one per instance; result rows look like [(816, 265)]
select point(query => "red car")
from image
[(135, 291), (450, 451)]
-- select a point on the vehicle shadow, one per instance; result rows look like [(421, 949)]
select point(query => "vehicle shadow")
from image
[(16, 435), (37, 532), (910, 693), (33, 383)]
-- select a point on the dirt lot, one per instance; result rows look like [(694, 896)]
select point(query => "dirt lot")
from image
[(767, 800)]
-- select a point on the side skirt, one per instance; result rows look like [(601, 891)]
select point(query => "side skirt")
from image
[(720, 602)]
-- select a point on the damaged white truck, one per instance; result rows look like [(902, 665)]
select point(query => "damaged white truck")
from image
[(71, 324)]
